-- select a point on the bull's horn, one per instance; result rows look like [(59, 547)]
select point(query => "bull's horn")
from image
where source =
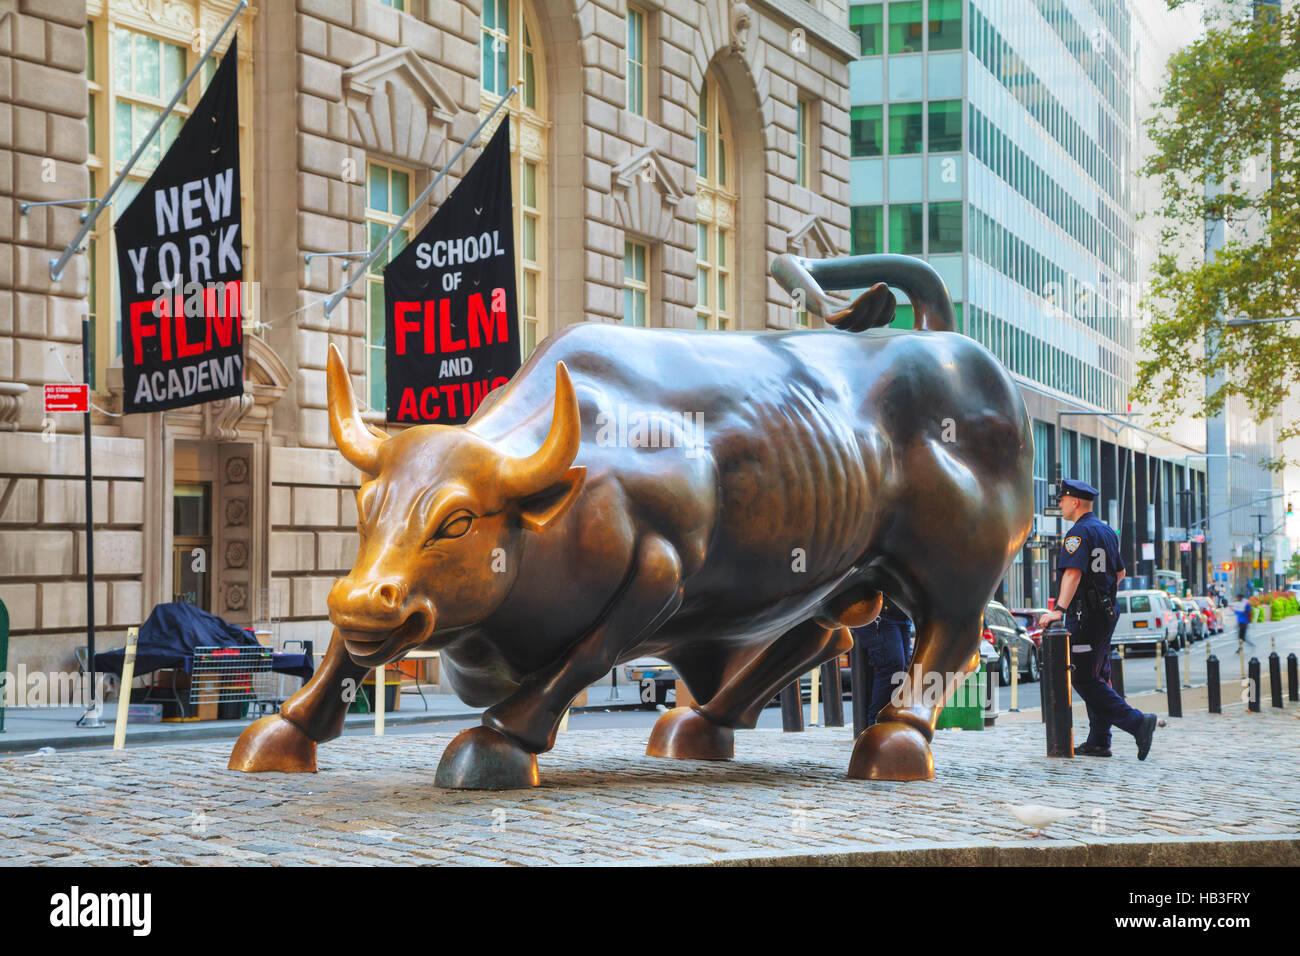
[(521, 477), (358, 443)]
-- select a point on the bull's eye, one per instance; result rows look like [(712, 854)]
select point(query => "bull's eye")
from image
[(455, 526)]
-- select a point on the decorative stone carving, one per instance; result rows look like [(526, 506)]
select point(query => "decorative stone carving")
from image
[(398, 107), (236, 597), (236, 554), (645, 192), (236, 512), (221, 418), (236, 470), (742, 19), (11, 400), (811, 239)]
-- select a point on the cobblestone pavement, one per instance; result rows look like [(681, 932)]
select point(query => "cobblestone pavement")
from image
[(603, 801)]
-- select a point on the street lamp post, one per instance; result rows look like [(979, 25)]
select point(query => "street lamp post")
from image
[(1187, 474)]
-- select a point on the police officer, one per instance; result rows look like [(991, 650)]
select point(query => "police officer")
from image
[(1089, 570)]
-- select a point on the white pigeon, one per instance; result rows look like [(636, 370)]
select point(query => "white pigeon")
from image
[(1039, 817)]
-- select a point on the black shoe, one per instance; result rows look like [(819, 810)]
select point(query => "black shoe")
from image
[(1144, 735), (1092, 750)]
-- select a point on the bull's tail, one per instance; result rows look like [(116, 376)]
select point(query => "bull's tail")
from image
[(806, 280)]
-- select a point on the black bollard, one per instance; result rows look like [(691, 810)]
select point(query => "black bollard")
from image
[(1175, 688), (1117, 671), (860, 679), (791, 707), (1275, 678), (1292, 678), (1212, 684), (832, 694), (1054, 686), (1252, 685)]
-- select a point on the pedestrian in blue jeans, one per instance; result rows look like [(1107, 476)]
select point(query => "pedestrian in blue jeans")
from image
[(1242, 609), (888, 646)]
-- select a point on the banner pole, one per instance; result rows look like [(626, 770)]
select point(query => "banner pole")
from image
[(91, 717), (57, 265), (420, 200), (124, 692)]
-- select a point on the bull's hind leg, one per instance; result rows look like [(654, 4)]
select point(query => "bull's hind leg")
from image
[(287, 741), (897, 746), (501, 754), (706, 732)]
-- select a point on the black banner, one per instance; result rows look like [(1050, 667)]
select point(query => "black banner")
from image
[(180, 263), (450, 313)]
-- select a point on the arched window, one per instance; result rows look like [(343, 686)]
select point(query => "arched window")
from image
[(715, 211), (510, 53)]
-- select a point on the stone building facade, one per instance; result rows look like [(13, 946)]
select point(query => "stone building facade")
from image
[(664, 154)]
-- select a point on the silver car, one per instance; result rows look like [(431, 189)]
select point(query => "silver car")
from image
[(1145, 619)]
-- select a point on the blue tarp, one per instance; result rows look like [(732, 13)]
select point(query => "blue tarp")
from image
[(169, 637)]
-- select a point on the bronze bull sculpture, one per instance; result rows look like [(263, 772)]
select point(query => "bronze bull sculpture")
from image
[(802, 475)]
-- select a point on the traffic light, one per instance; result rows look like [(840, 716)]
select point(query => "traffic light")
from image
[(1227, 565)]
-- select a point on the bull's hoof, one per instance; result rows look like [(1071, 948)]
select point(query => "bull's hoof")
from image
[(891, 750), (482, 759), (686, 734), (273, 743)]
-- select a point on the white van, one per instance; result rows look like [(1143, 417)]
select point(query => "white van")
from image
[(1145, 619)]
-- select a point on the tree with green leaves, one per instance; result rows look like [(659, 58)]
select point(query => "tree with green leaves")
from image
[(1228, 119)]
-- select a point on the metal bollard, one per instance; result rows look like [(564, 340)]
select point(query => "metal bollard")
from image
[(1117, 670), (791, 707), (1252, 686), (1175, 691), (1292, 677), (860, 680), (1274, 674), (1212, 684), (1054, 685), (1160, 653), (833, 704), (1187, 666), (1241, 656), (991, 696), (1015, 679)]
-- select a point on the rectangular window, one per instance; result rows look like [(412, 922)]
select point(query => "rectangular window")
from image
[(865, 20), (636, 290), (801, 147), (905, 33), (906, 126), (907, 228), (945, 25), (399, 5), (635, 61), (867, 130), (945, 126), (494, 44), (388, 196), (945, 227), (867, 230)]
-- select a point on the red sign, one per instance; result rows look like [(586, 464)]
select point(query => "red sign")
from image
[(1184, 546), (67, 398)]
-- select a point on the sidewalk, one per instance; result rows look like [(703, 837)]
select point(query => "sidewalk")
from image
[(1216, 790), (29, 729)]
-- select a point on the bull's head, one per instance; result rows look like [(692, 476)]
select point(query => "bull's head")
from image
[(438, 504)]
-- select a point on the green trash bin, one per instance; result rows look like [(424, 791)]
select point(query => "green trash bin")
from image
[(965, 711)]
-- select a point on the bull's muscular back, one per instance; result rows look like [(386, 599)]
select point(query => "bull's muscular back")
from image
[(811, 450)]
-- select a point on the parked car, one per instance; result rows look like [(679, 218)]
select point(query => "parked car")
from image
[(1210, 611), (1028, 618), (1001, 631), (1191, 622), (1146, 618)]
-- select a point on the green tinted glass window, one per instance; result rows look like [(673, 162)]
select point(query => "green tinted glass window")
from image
[(866, 21), (945, 25), (945, 227), (905, 27), (867, 230), (907, 228), (906, 126), (945, 126), (867, 130)]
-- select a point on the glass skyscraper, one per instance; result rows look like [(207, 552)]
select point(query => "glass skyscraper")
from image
[(996, 139)]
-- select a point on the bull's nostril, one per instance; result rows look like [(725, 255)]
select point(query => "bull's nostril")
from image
[(388, 594)]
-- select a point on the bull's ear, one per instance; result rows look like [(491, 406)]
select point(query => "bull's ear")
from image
[(541, 511)]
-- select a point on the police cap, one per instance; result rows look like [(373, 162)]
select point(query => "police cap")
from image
[(1078, 489)]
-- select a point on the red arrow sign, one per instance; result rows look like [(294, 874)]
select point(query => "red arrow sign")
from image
[(67, 398)]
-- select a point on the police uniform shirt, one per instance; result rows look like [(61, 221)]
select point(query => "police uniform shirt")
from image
[(1090, 543)]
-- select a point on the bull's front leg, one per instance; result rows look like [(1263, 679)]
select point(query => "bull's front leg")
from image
[(502, 753), (287, 741)]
